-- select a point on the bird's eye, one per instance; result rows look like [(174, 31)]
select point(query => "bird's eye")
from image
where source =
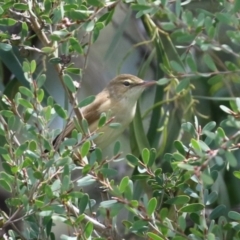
[(126, 83)]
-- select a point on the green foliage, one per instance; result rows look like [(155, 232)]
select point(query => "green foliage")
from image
[(178, 190)]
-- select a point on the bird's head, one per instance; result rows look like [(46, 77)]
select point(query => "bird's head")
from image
[(127, 86)]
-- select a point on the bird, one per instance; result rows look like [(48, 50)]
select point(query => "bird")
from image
[(118, 99)]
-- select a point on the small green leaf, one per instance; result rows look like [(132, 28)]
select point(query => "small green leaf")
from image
[(183, 85), (188, 127), (186, 166), (63, 161), (218, 211), (5, 47), (86, 169), (196, 146), (178, 157), (191, 63), (115, 125), (238, 103), (214, 175), (76, 71), (145, 155), (69, 83), (59, 34), (195, 218), (179, 146), (88, 230), (25, 103), (177, 67), (236, 174), (209, 62), (152, 158), (86, 101), (24, 32), (134, 203), (3, 151), (32, 145), (140, 7), (47, 49), (38, 203), (209, 126), (139, 225), (109, 172), (96, 31), (231, 66), (151, 207), (79, 14), (207, 179), (6, 167), (85, 148), (6, 113), (48, 191), (231, 159), (40, 95), (116, 148), (20, 6), (60, 111), (7, 21), (163, 81), (221, 133), (226, 109), (41, 80), (163, 213), (76, 45), (96, 3), (108, 203), (55, 60), (179, 200), (33, 66), (85, 125), (211, 198), (89, 26), (23, 147), (181, 223), (11, 122), (107, 17), (102, 120), (154, 236), (85, 181), (50, 101), (98, 153), (123, 184), (168, 26), (25, 91), (193, 207), (84, 201), (217, 79), (234, 215), (47, 112), (132, 159), (38, 175), (4, 184)]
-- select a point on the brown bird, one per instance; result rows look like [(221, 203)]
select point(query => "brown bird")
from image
[(119, 98)]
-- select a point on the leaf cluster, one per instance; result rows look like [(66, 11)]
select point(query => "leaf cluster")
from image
[(186, 199)]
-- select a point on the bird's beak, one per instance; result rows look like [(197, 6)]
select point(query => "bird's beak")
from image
[(148, 83)]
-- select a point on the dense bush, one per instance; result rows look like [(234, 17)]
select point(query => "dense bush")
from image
[(185, 167)]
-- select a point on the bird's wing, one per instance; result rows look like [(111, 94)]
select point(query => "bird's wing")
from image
[(91, 113)]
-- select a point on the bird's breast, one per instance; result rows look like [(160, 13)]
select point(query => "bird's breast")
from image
[(122, 114)]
